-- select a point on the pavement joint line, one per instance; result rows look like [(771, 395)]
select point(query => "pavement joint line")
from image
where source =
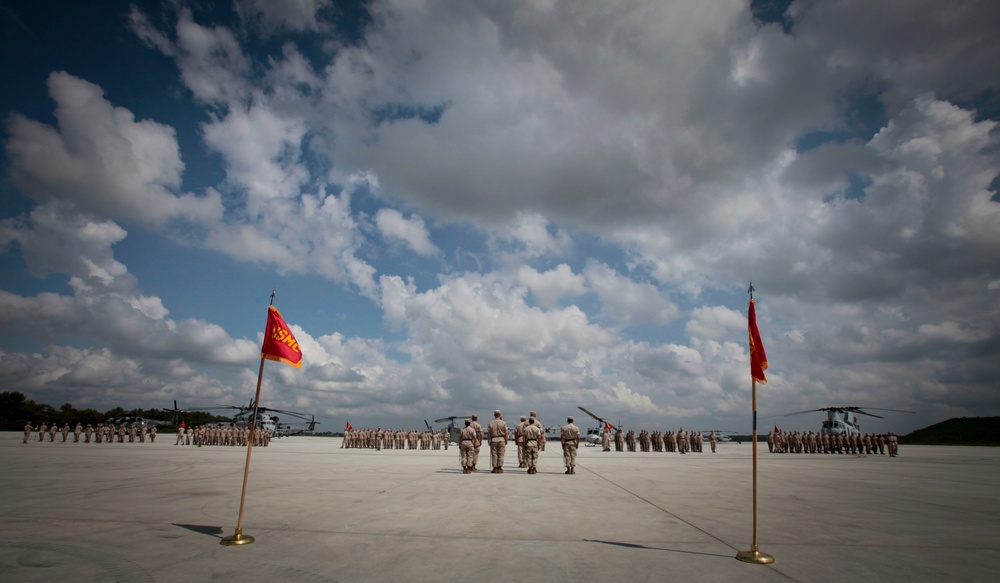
[(687, 522), (658, 507)]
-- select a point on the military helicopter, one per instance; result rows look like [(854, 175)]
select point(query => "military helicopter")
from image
[(719, 433), (129, 420), (843, 420), (453, 430), (265, 420), (593, 436)]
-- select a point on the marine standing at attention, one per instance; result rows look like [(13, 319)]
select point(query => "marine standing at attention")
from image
[(467, 447), (519, 441), (27, 432), (479, 440), (498, 442), (532, 433), (570, 437), (538, 422)]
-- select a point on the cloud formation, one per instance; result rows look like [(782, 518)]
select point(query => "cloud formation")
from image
[(102, 160), (534, 205)]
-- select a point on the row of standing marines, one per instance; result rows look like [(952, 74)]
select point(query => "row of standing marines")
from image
[(528, 443), (139, 432), (378, 439), (130, 432), (528, 435), (667, 441), (811, 442), (224, 435), (363, 438)]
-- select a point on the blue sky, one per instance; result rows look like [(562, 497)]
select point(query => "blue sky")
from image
[(465, 206)]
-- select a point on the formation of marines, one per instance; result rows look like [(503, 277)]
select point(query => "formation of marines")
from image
[(139, 433), (102, 433), (812, 442), (223, 435), (679, 441), (528, 435), (379, 439)]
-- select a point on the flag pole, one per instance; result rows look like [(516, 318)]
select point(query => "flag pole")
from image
[(754, 555), (238, 538)]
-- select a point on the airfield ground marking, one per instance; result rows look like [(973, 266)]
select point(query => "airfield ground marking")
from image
[(692, 525)]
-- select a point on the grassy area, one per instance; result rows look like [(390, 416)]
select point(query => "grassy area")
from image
[(958, 431)]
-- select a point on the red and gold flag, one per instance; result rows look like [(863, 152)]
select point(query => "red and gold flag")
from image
[(758, 358), (348, 428), (279, 342)]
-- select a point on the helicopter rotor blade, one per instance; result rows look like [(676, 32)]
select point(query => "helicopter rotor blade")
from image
[(860, 412), (283, 412), (895, 410), (591, 414), (806, 411), (851, 409)]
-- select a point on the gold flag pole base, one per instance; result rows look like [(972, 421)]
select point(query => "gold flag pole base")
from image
[(238, 539), (754, 556)]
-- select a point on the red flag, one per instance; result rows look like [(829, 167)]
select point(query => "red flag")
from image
[(608, 427), (279, 342), (758, 358), (349, 426)]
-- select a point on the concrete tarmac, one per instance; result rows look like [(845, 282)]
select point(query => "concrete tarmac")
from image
[(156, 512)]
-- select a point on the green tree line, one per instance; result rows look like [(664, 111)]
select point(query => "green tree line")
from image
[(16, 410)]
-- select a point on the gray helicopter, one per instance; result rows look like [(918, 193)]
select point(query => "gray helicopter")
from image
[(844, 420), (265, 420), (593, 436), (129, 420), (453, 430)]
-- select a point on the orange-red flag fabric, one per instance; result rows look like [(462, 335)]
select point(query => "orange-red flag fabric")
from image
[(279, 342), (758, 358)]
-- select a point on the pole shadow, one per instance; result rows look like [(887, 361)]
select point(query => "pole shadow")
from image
[(644, 547), (215, 531)]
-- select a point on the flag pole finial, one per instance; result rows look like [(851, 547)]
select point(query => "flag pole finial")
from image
[(750, 290), (272, 297)]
